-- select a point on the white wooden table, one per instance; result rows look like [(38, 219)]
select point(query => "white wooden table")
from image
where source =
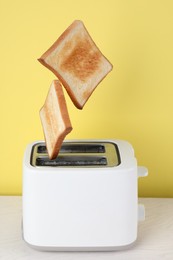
[(155, 235)]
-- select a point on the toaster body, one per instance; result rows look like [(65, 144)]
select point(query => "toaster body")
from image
[(84, 200)]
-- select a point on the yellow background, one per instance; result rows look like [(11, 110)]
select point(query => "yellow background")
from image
[(134, 102)]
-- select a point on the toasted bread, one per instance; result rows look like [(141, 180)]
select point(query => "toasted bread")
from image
[(77, 62), (55, 119)]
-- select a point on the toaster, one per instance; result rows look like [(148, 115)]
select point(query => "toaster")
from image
[(84, 200)]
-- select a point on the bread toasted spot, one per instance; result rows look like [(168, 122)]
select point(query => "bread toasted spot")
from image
[(83, 60)]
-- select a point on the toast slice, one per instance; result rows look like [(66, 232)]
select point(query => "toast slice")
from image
[(55, 119), (77, 62)]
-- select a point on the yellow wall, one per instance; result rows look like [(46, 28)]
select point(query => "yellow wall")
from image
[(133, 103)]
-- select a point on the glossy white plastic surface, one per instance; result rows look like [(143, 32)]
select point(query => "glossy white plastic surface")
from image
[(81, 209)]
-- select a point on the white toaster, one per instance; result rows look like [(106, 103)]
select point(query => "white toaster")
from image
[(84, 200)]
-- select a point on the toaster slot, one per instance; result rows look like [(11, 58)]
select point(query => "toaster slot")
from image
[(82, 148), (76, 148), (72, 161), (41, 149)]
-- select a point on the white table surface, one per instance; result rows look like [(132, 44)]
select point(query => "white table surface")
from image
[(155, 235)]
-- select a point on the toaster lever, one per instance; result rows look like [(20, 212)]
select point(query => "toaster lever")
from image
[(142, 171)]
